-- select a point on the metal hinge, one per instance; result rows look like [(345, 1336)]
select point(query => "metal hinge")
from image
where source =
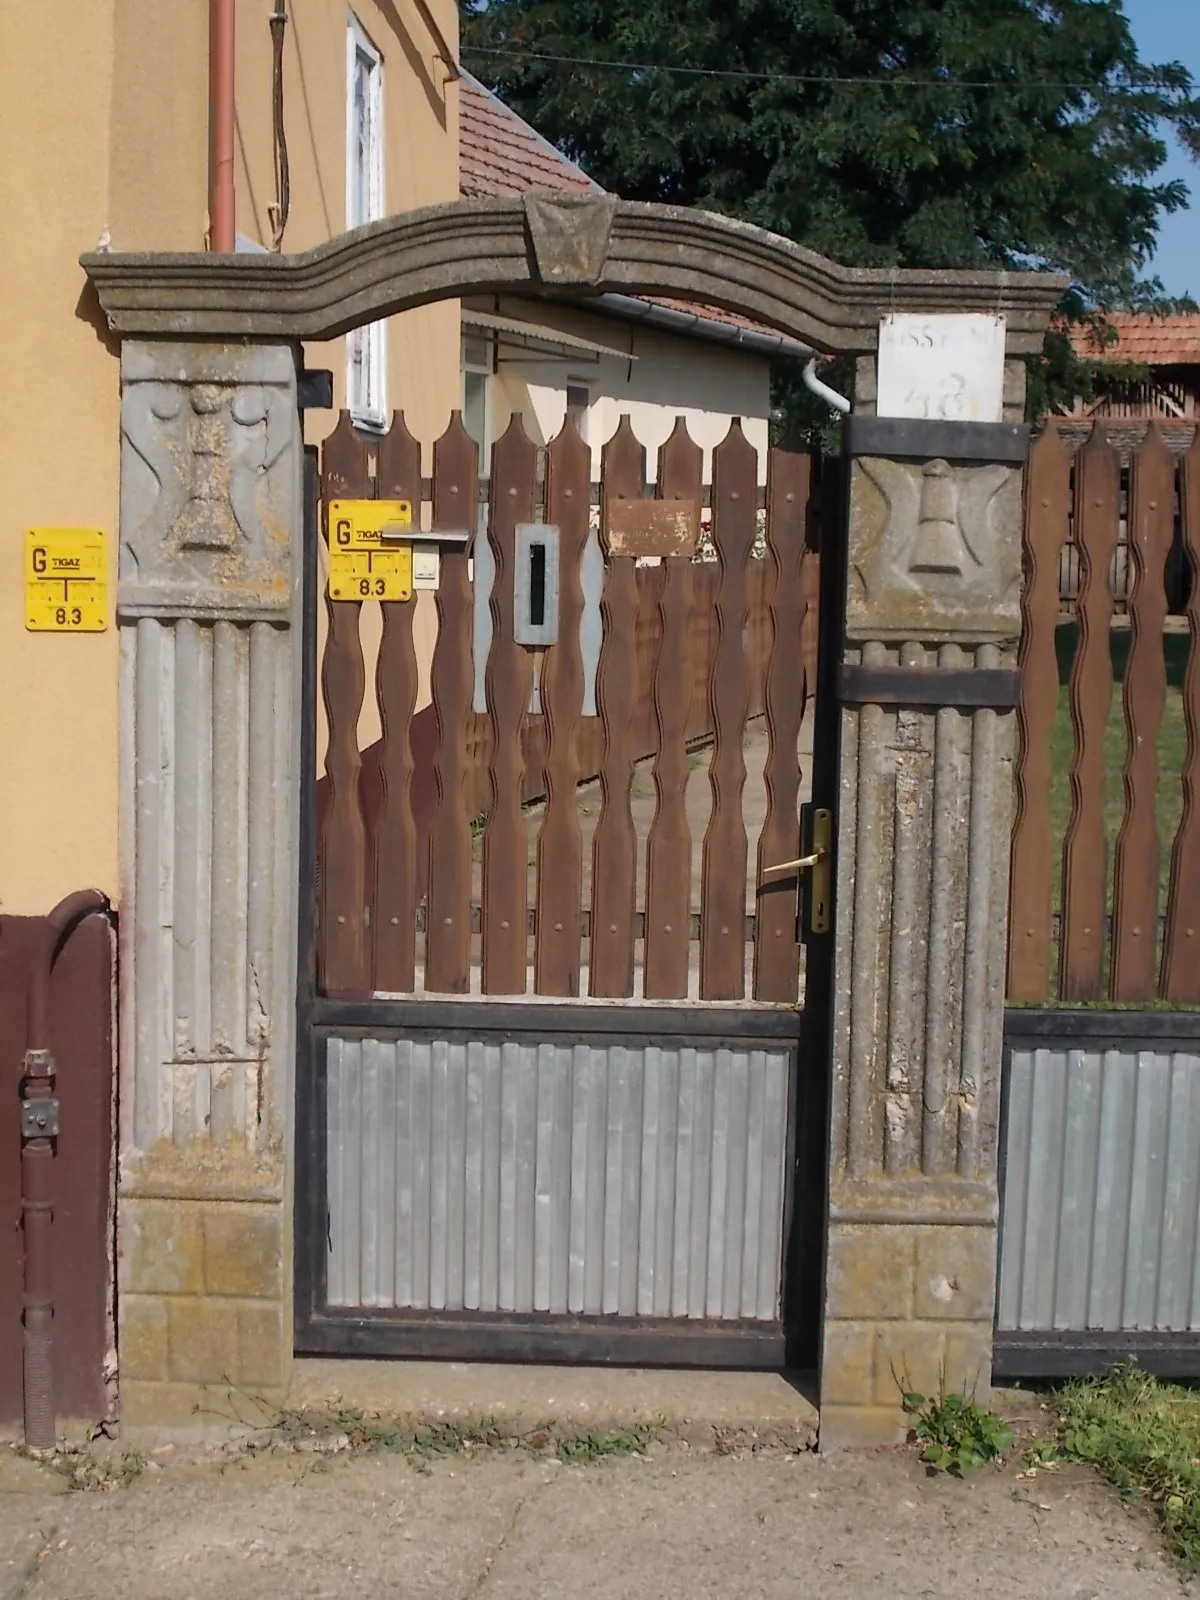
[(39, 1119)]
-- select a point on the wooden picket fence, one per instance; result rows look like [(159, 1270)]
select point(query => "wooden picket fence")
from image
[(1093, 914), (423, 883)]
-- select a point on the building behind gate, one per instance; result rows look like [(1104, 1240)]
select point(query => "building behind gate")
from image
[(118, 159)]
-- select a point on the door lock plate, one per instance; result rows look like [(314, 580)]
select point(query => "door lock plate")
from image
[(820, 883), (39, 1119)]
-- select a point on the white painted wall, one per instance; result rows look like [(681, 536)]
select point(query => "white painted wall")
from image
[(672, 376)]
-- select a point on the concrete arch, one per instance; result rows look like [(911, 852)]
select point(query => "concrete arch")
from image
[(571, 247)]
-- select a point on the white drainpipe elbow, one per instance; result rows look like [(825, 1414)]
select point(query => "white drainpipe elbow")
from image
[(822, 390)]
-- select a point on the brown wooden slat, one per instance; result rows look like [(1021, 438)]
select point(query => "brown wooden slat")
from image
[(509, 683), (703, 636), (758, 632), (394, 846), (1047, 509), (647, 632), (1085, 856), (614, 844), (810, 582), (723, 891), (342, 846), (560, 843), (448, 935), (1135, 890), (776, 946), (669, 846), (1180, 981)]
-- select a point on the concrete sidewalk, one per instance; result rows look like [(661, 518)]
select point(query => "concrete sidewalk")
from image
[(679, 1524)]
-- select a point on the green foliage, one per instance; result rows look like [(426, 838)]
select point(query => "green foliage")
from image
[(958, 1434), (374, 1435), (926, 133), (1145, 1437), (597, 1446)]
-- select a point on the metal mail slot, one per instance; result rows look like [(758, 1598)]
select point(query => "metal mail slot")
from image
[(536, 587)]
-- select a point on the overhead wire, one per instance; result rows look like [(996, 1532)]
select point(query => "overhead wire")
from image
[(892, 80)]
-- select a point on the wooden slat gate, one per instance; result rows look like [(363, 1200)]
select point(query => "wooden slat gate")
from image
[(1100, 1134), (556, 1097)]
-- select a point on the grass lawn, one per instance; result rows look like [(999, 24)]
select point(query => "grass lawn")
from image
[(1172, 751), (1144, 1436)]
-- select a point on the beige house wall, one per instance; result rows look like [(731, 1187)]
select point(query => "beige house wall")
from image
[(659, 377), (131, 161)]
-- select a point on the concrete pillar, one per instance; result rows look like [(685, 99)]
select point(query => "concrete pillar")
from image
[(208, 607), (933, 584)]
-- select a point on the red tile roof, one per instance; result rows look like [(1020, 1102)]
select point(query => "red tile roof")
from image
[(500, 154), (1148, 340)]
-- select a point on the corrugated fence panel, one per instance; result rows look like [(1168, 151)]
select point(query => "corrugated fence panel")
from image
[(633, 1180), (1101, 1192)]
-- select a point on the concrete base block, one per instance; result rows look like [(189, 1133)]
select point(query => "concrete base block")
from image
[(859, 1427), (204, 1307)]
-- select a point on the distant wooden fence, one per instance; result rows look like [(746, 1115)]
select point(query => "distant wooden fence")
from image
[(1125, 435), (1090, 917)]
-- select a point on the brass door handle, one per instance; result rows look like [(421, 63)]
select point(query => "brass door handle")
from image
[(803, 861), (818, 893)]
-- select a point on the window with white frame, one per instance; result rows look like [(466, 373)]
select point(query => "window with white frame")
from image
[(366, 376)]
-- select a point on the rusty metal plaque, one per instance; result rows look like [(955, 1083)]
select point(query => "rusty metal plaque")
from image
[(651, 527)]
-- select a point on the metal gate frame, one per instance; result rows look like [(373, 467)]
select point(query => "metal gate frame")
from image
[(321, 1329)]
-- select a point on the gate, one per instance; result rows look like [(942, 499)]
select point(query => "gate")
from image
[(1100, 1135), (561, 1089)]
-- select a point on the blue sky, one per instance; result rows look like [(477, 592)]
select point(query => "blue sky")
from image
[(1169, 30)]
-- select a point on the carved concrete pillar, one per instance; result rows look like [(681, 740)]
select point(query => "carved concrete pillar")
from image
[(208, 609), (928, 686)]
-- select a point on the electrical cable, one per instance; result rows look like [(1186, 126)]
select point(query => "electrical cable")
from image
[(890, 81), (283, 187)]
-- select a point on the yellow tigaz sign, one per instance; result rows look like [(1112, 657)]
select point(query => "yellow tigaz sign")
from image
[(369, 559), (66, 580)]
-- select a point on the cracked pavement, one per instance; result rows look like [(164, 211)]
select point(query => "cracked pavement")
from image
[(502, 1523)]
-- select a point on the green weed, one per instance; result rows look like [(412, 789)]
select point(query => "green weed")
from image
[(598, 1446), (1144, 1436), (958, 1434)]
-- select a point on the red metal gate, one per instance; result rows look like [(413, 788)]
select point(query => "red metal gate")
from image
[(81, 1001)]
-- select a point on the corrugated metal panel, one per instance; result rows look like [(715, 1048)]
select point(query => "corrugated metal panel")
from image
[(635, 1180), (1101, 1192)]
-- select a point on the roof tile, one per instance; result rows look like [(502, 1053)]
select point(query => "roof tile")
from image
[(500, 154), (1151, 341)]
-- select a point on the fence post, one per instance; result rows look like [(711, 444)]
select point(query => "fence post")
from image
[(208, 608), (928, 686)]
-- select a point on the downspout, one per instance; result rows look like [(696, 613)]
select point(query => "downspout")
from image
[(822, 390), (222, 209)]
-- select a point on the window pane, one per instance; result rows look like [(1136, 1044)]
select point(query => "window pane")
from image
[(477, 352), (475, 407)]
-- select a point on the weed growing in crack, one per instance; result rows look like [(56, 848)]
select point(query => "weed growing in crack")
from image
[(957, 1433), (598, 1446)]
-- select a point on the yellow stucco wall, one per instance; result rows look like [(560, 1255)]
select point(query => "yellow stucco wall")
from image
[(131, 158), (58, 446)]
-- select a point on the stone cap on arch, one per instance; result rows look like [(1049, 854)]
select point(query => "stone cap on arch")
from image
[(569, 246)]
